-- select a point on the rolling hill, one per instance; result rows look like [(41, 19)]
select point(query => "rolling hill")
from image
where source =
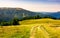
[(56, 14), (7, 14), (34, 28)]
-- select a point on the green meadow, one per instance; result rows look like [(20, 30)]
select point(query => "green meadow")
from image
[(33, 28)]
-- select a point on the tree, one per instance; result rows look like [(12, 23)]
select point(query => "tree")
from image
[(37, 17), (15, 21)]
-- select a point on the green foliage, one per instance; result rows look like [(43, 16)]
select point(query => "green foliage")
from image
[(15, 21), (47, 16), (6, 23), (37, 17), (32, 17), (9, 23)]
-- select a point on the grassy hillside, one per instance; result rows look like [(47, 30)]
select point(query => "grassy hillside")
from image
[(39, 21), (35, 28)]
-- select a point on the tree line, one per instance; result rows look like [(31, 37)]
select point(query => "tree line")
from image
[(15, 21)]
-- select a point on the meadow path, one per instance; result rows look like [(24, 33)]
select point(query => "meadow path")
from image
[(39, 29)]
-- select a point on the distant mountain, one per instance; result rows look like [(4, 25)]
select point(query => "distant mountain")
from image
[(7, 14), (55, 14)]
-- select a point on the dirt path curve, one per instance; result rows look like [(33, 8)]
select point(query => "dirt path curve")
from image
[(38, 27)]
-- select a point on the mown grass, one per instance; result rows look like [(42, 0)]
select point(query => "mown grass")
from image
[(23, 30)]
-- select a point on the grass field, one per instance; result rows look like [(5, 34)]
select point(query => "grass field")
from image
[(35, 28)]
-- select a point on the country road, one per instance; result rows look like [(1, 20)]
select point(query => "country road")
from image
[(39, 28)]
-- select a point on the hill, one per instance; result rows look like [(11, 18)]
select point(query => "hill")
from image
[(56, 15), (9, 13), (39, 28), (53, 14)]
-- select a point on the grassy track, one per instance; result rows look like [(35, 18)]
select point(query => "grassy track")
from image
[(39, 28)]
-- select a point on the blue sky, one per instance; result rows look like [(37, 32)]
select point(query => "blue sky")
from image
[(33, 5), (40, 1)]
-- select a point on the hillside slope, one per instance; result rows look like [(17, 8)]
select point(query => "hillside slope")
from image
[(7, 14), (39, 28)]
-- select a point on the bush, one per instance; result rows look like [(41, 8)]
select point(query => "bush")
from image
[(15, 21), (9, 23), (5, 23), (37, 17)]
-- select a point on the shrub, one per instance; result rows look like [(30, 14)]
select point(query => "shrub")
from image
[(15, 21)]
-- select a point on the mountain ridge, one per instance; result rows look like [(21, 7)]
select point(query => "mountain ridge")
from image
[(9, 13)]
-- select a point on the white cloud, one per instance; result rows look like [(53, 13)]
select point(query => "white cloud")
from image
[(30, 6)]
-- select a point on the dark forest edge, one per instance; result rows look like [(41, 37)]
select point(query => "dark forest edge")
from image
[(15, 21)]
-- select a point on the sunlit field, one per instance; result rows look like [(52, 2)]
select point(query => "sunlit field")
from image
[(34, 28)]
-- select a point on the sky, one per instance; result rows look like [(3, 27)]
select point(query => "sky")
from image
[(33, 5)]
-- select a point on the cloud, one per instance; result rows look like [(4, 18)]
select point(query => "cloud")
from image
[(30, 6)]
